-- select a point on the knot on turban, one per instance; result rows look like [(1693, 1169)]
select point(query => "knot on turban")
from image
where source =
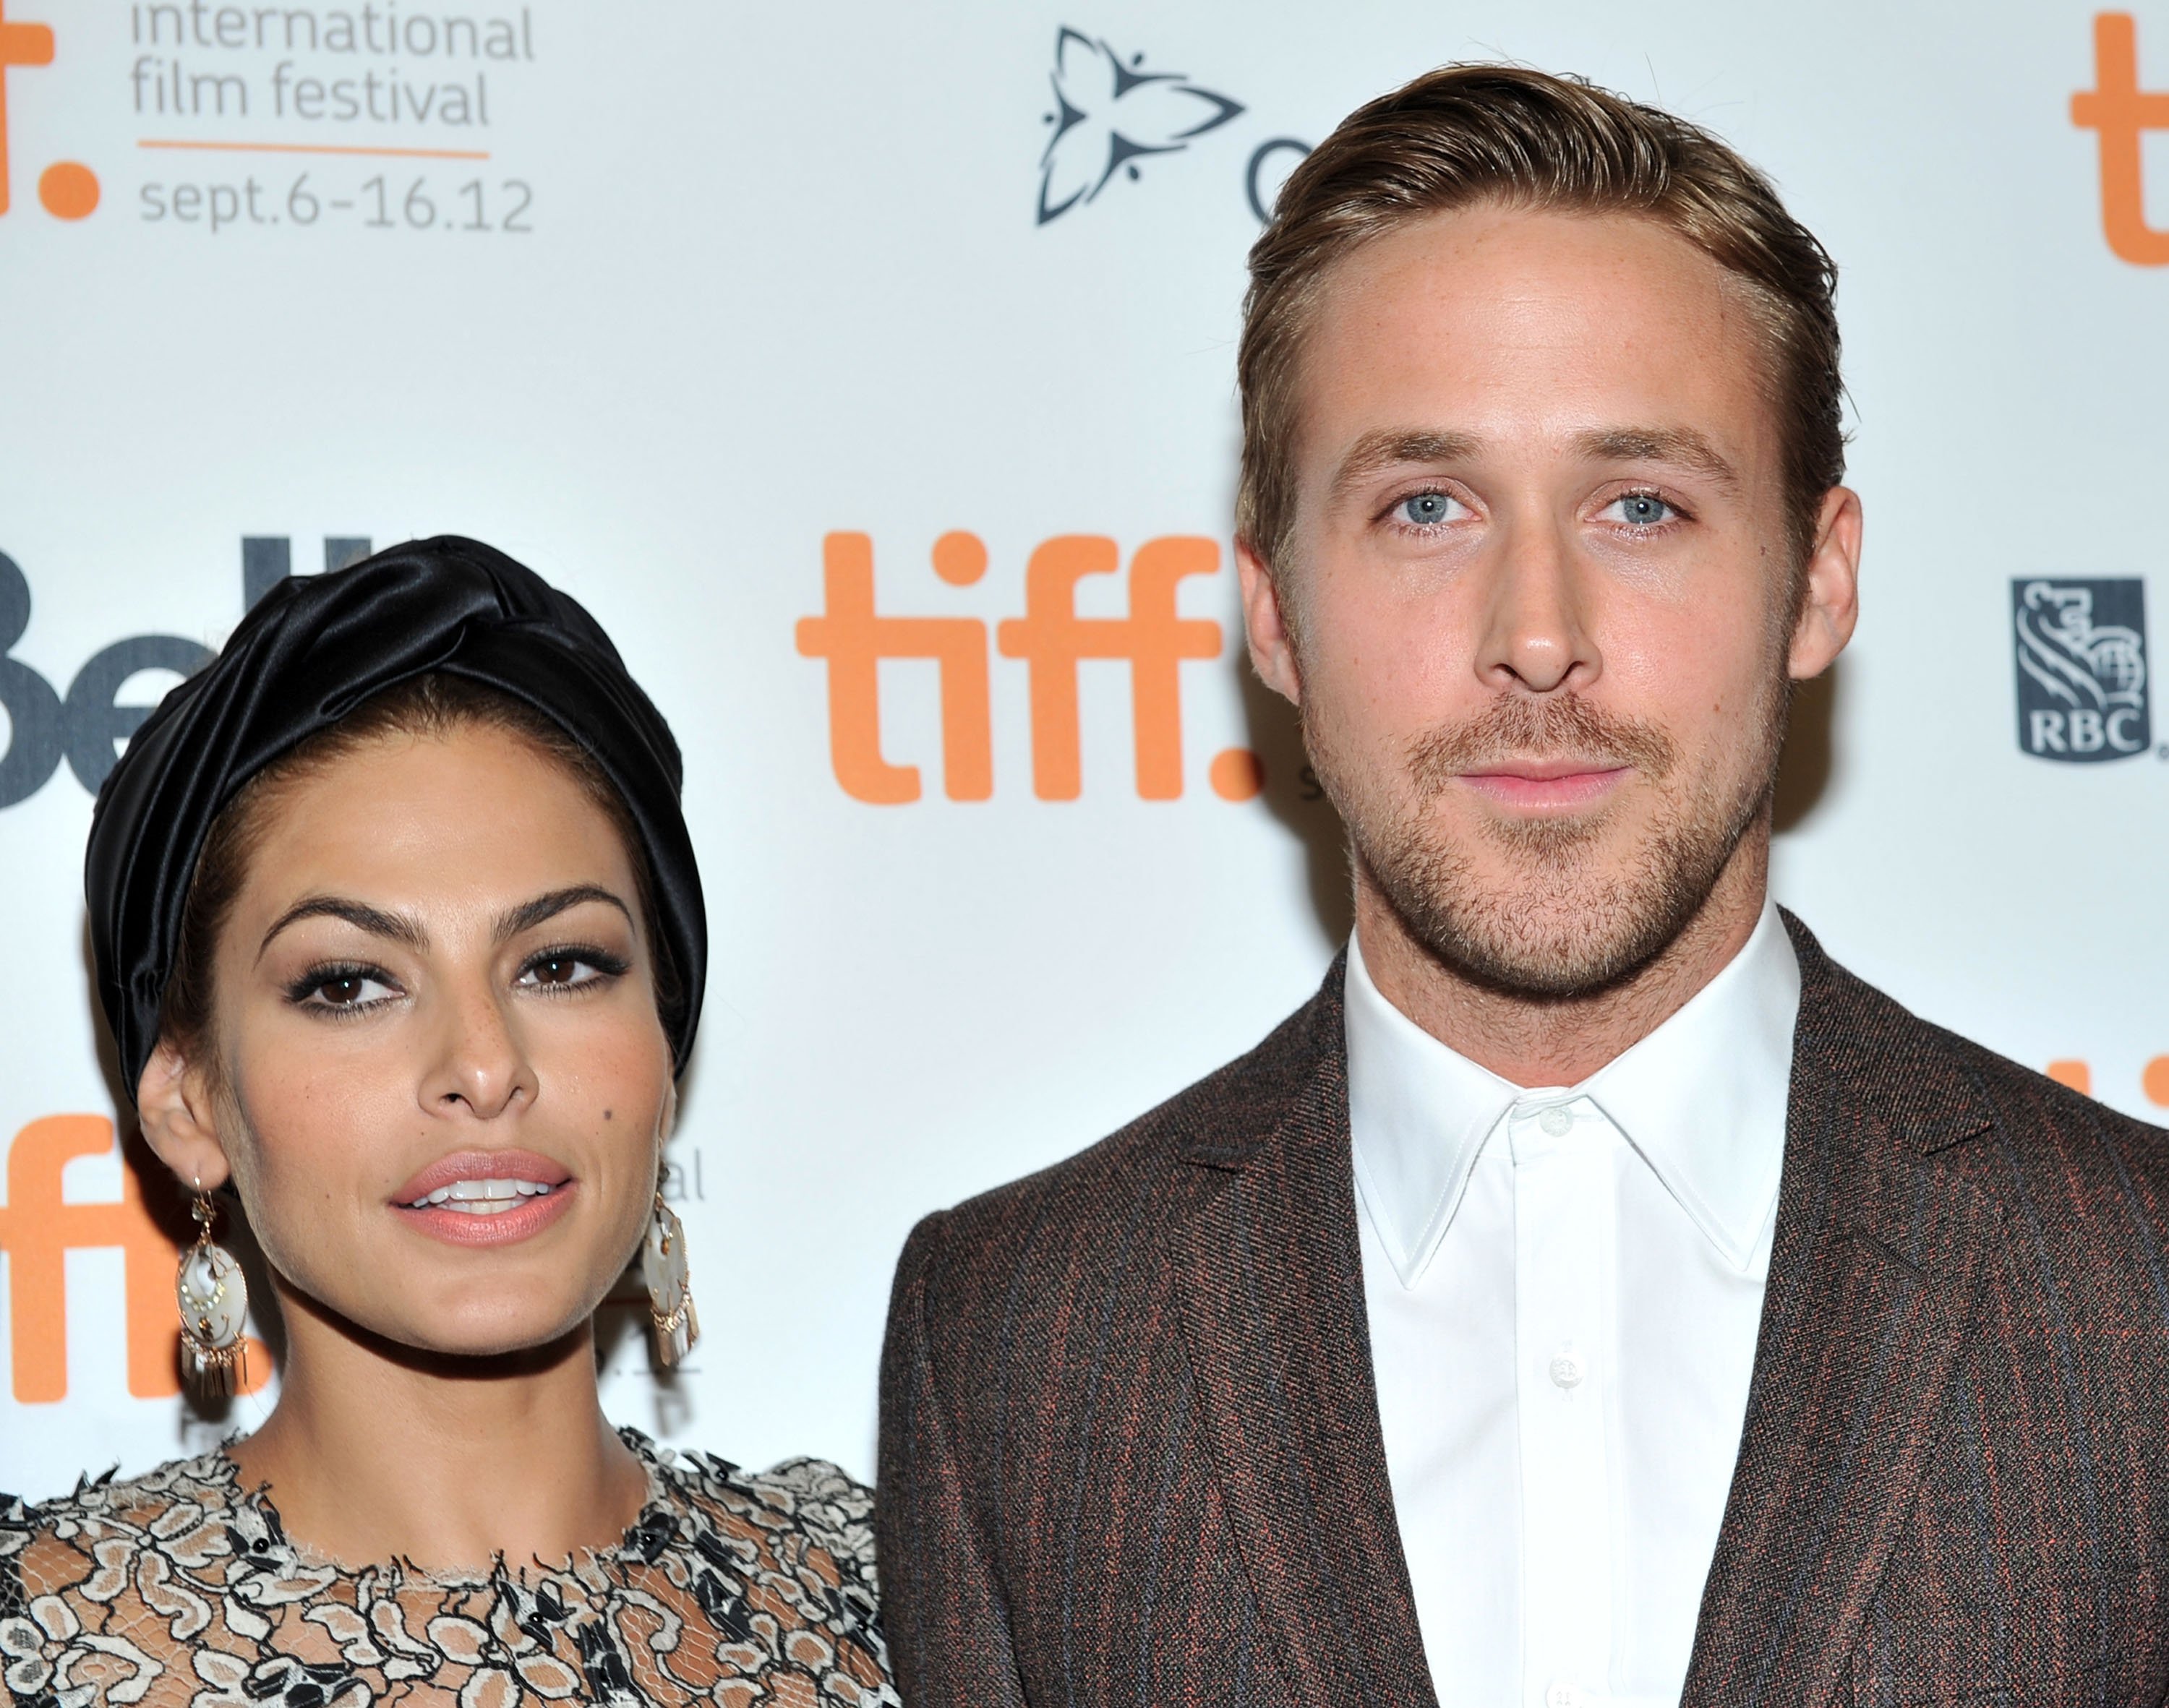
[(313, 649)]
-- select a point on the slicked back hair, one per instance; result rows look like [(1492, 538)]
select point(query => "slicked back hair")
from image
[(1504, 136)]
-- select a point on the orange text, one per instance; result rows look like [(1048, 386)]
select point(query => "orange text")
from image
[(2120, 113), (1051, 640)]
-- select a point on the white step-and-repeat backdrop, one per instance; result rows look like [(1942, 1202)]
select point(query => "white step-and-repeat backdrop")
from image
[(785, 337)]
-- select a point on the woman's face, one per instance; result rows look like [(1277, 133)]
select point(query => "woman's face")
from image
[(441, 1081)]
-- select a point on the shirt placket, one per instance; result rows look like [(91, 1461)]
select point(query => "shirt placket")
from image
[(1562, 1241)]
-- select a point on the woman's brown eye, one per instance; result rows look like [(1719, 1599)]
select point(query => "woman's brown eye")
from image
[(349, 993), (570, 969)]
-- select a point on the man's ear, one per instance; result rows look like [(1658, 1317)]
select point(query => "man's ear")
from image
[(1264, 621), (175, 1104), (1831, 606)]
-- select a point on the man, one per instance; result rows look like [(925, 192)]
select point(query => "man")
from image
[(1594, 1294)]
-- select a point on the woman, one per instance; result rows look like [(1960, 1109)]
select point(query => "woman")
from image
[(399, 930)]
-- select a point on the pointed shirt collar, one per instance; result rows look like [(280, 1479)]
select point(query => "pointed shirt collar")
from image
[(1702, 1099)]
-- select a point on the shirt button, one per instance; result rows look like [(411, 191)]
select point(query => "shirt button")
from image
[(1566, 1372), (1557, 1120), (1563, 1696)]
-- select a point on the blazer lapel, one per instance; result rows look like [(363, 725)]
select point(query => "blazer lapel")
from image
[(1263, 1245), (1872, 1276)]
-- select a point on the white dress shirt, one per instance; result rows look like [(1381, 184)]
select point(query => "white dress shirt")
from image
[(1563, 1286)]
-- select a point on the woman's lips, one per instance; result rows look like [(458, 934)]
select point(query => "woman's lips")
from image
[(1546, 786), (486, 1197)]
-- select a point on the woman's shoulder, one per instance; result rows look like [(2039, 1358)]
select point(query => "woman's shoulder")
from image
[(810, 1497), (111, 1587), (159, 1502), (76, 1543)]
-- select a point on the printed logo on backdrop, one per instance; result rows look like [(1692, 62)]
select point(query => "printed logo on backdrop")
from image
[(313, 118), (1111, 115), (2080, 647), (87, 725), (2121, 113), (1051, 640), (67, 189), (298, 119)]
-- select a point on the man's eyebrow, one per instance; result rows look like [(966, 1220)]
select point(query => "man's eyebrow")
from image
[(1681, 446), (395, 927), (530, 914), (1387, 447)]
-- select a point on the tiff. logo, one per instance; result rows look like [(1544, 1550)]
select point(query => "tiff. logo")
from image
[(1051, 638), (2121, 113), (67, 188)]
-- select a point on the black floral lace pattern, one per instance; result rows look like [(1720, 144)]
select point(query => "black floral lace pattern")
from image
[(179, 1589)]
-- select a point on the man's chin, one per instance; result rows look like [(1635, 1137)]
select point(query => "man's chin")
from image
[(1552, 925), (1535, 962)]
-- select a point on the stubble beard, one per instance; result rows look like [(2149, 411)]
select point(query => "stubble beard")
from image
[(1572, 918)]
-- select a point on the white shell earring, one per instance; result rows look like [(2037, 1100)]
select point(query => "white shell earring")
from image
[(670, 1299), (213, 1300)]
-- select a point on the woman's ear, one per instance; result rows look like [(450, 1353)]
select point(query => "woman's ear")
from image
[(174, 1101)]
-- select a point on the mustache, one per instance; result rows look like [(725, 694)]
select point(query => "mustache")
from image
[(1519, 728)]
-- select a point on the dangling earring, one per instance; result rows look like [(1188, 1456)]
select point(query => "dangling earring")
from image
[(669, 1300), (214, 1298)]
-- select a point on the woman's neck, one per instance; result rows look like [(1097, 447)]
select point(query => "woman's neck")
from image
[(373, 1455)]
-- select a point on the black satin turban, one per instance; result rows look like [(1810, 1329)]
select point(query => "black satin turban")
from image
[(311, 651)]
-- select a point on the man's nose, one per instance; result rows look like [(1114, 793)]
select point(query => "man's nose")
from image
[(1535, 633)]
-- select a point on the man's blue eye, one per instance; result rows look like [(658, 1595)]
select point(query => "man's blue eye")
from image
[(1642, 510), (1426, 509)]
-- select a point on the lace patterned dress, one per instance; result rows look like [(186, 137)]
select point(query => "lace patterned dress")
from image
[(180, 1588)]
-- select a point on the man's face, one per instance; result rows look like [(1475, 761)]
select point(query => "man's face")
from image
[(1538, 608)]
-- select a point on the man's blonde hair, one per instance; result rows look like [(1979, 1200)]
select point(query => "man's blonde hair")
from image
[(1503, 135)]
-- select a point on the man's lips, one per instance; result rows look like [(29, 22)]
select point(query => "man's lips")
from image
[(1538, 785), (486, 1197)]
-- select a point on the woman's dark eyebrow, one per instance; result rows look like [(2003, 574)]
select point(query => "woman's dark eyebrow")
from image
[(530, 914), (398, 928), (409, 933)]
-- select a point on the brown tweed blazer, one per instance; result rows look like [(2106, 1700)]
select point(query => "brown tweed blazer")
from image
[(1130, 1447)]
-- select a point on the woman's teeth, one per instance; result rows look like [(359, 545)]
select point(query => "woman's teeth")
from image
[(482, 1197)]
